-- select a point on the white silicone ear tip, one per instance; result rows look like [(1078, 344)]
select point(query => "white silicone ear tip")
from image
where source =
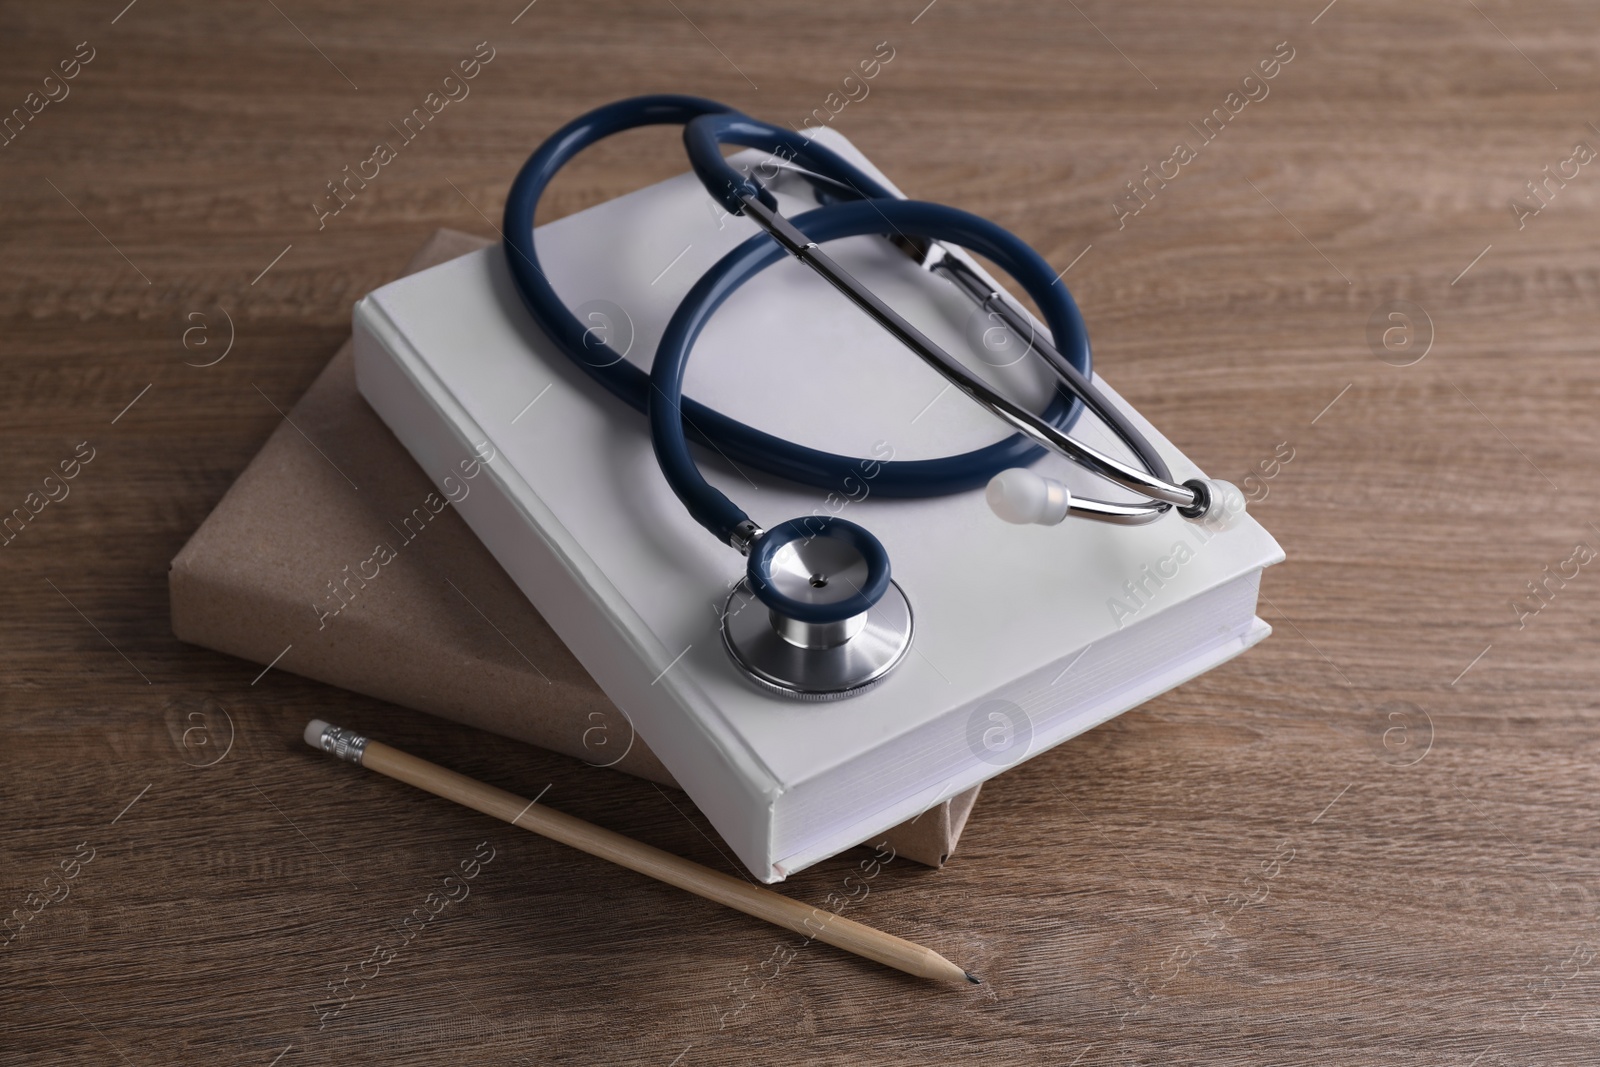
[(313, 734), (1022, 497), (1227, 505)]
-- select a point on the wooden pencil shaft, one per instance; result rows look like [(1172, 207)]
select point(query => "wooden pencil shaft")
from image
[(663, 866)]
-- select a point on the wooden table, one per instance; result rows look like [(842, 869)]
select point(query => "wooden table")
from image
[(1370, 840)]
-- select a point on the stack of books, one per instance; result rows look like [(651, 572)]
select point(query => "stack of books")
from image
[(1025, 636)]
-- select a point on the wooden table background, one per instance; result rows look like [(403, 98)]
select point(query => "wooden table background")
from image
[(1371, 840)]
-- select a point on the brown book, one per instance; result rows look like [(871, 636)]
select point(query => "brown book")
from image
[(304, 565)]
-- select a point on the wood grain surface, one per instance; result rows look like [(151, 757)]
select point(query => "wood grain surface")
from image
[(1371, 840)]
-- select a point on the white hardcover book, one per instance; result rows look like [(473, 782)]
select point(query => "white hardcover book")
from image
[(1025, 635)]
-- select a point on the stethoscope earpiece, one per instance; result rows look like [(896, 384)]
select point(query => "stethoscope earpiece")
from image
[(1021, 497), (1218, 504), (834, 623)]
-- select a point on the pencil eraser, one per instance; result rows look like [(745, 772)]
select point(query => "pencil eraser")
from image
[(314, 731)]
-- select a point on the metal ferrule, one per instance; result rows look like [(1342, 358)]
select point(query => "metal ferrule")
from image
[(1202, 500), (1162, 494), (345, 744), (744, 536)]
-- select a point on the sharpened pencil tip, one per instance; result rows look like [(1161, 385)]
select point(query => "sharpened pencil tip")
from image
[(974, 979)]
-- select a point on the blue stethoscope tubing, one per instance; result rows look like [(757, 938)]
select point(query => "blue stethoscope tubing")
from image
[(675, 418)]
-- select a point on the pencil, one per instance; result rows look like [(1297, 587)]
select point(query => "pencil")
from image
[(652, 862)]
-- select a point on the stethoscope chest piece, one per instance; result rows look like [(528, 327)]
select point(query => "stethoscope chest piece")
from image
[(816, 616)]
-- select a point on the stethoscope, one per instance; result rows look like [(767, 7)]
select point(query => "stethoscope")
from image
[(835, 623)]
